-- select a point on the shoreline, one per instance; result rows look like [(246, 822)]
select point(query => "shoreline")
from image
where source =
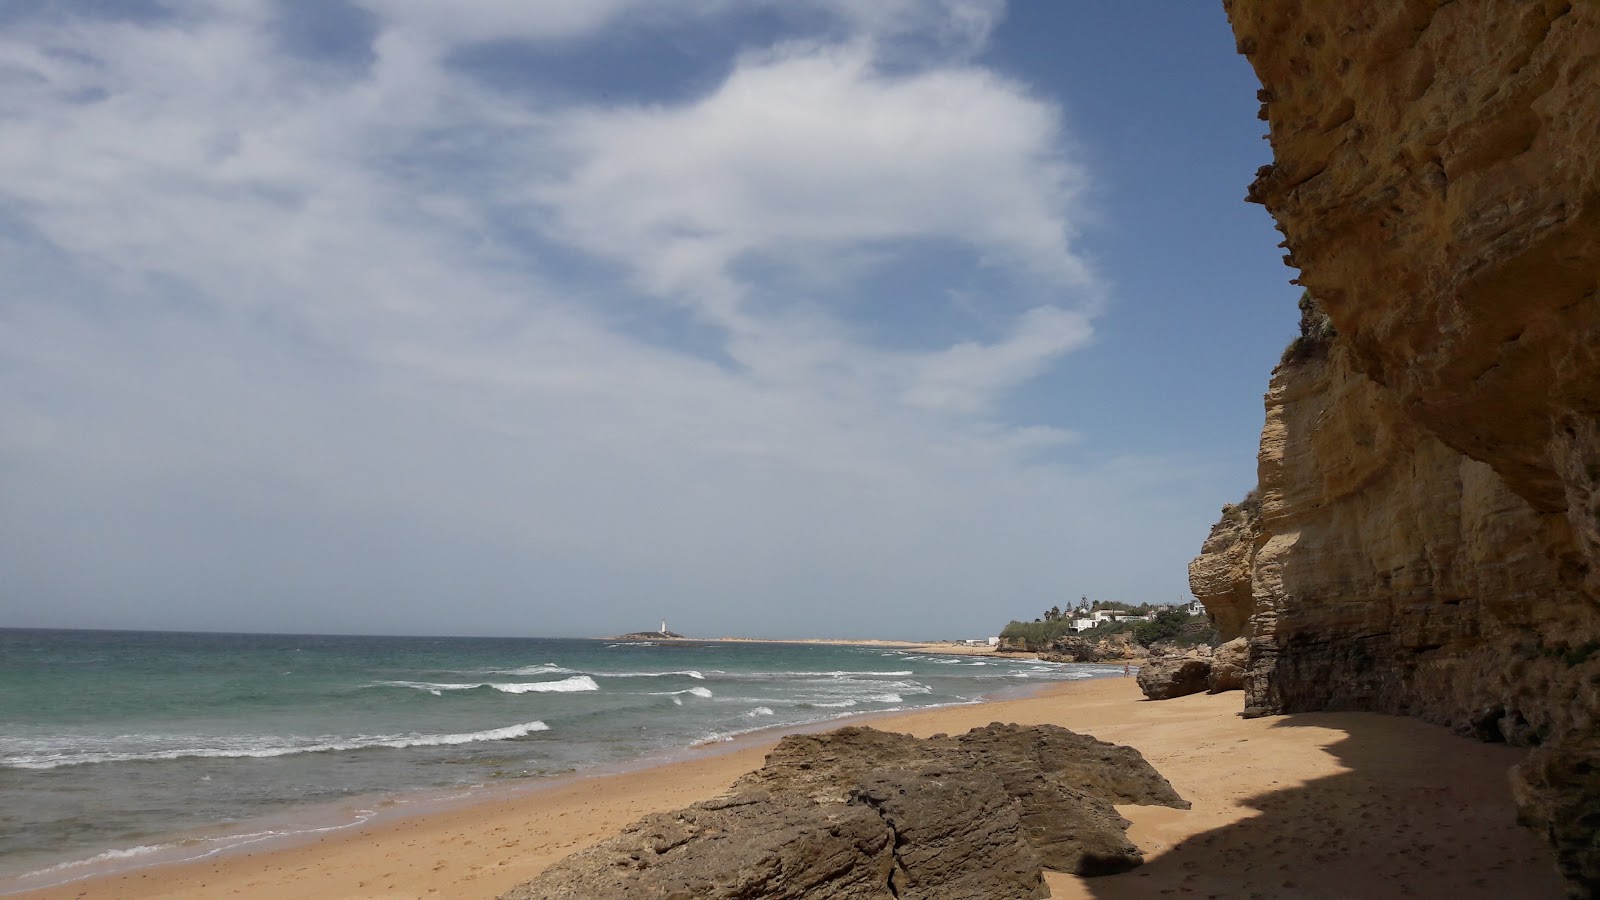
[(302, 825), (951, 647), (1282, 804)]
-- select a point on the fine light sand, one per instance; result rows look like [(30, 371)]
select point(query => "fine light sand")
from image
[(1311, 805)]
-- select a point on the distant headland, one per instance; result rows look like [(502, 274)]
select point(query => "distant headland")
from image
[(648, 636), (661, 634)]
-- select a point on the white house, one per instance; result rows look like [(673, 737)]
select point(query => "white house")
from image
[(1105, 616)]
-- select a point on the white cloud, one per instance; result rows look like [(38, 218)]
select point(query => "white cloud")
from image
[(812, 149), (965, 376), (465, 21), (959, 24), (809, 154), (266, 345), (956, 24)]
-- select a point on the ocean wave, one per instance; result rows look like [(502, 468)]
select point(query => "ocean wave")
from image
[(691, 673), (697, 691), (108, 856), (395, 742), (902, 687), (758, 676), (187, 850), (541, 669), (564, 686), (759, 711), (433, 687)]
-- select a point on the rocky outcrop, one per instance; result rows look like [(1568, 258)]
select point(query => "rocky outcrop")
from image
[(859, 813), (1166, 677), (1178, 671), (1220, 576), (741, 847), (1428, 540), (1109, 648), (1228, 663)]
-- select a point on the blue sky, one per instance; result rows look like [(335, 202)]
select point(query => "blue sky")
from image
[(802, 318)]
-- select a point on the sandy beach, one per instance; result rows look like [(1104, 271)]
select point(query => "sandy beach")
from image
[(953, 648), (1310, 805)]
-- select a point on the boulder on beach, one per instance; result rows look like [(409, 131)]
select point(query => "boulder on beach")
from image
[(861, 813), (1228, 663), (1166, 677)]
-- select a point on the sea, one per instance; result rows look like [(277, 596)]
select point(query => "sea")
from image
[(126, 748)]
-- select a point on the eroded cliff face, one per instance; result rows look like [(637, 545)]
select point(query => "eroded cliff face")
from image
[(1428, 539), (1387, 571)]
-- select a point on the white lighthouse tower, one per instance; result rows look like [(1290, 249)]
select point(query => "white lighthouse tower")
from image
[(663, 626)]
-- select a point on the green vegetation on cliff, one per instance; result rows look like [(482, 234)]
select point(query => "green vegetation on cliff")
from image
[(1036, 634), (1174, 625), (1316, 333)]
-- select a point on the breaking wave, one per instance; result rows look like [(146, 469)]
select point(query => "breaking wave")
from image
[(395, 742), (540, 669), (564, 686)]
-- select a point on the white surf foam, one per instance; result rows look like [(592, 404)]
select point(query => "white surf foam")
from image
[(696, 691), (364, 742), (108, 856), (564, 686), (833, 674), (541, 669)]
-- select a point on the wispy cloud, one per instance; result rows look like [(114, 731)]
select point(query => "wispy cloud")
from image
[(809, 149), (368, 332)]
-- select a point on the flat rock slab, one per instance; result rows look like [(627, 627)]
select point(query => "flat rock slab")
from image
[(861, 813)]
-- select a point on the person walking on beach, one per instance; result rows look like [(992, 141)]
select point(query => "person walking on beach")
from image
[(1125, 670)]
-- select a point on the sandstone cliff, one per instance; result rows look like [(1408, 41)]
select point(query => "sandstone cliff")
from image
[(1428, 535)]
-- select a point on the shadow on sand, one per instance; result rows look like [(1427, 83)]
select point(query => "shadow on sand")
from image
[(1419, 813)]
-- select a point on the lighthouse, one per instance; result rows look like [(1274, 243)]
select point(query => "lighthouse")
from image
[(663, 626)]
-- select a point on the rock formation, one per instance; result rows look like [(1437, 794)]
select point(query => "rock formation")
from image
[(1228, 663), (859, 813), (1109, 648), (1427, 536), (1166, 677)]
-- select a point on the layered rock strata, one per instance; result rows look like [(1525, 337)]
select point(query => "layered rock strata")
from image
[(860, 814), (1428, 534)]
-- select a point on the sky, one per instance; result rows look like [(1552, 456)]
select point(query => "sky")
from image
[(787, 318)]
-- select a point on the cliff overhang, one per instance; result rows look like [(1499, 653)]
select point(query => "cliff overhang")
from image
[(1426, 538)]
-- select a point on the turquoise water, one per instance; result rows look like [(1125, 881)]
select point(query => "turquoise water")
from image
[(112, 744)]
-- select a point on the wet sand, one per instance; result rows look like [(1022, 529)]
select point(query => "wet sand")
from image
[(1310, 805)]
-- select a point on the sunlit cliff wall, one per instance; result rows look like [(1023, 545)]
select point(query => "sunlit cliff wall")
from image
[(1427, 540)]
